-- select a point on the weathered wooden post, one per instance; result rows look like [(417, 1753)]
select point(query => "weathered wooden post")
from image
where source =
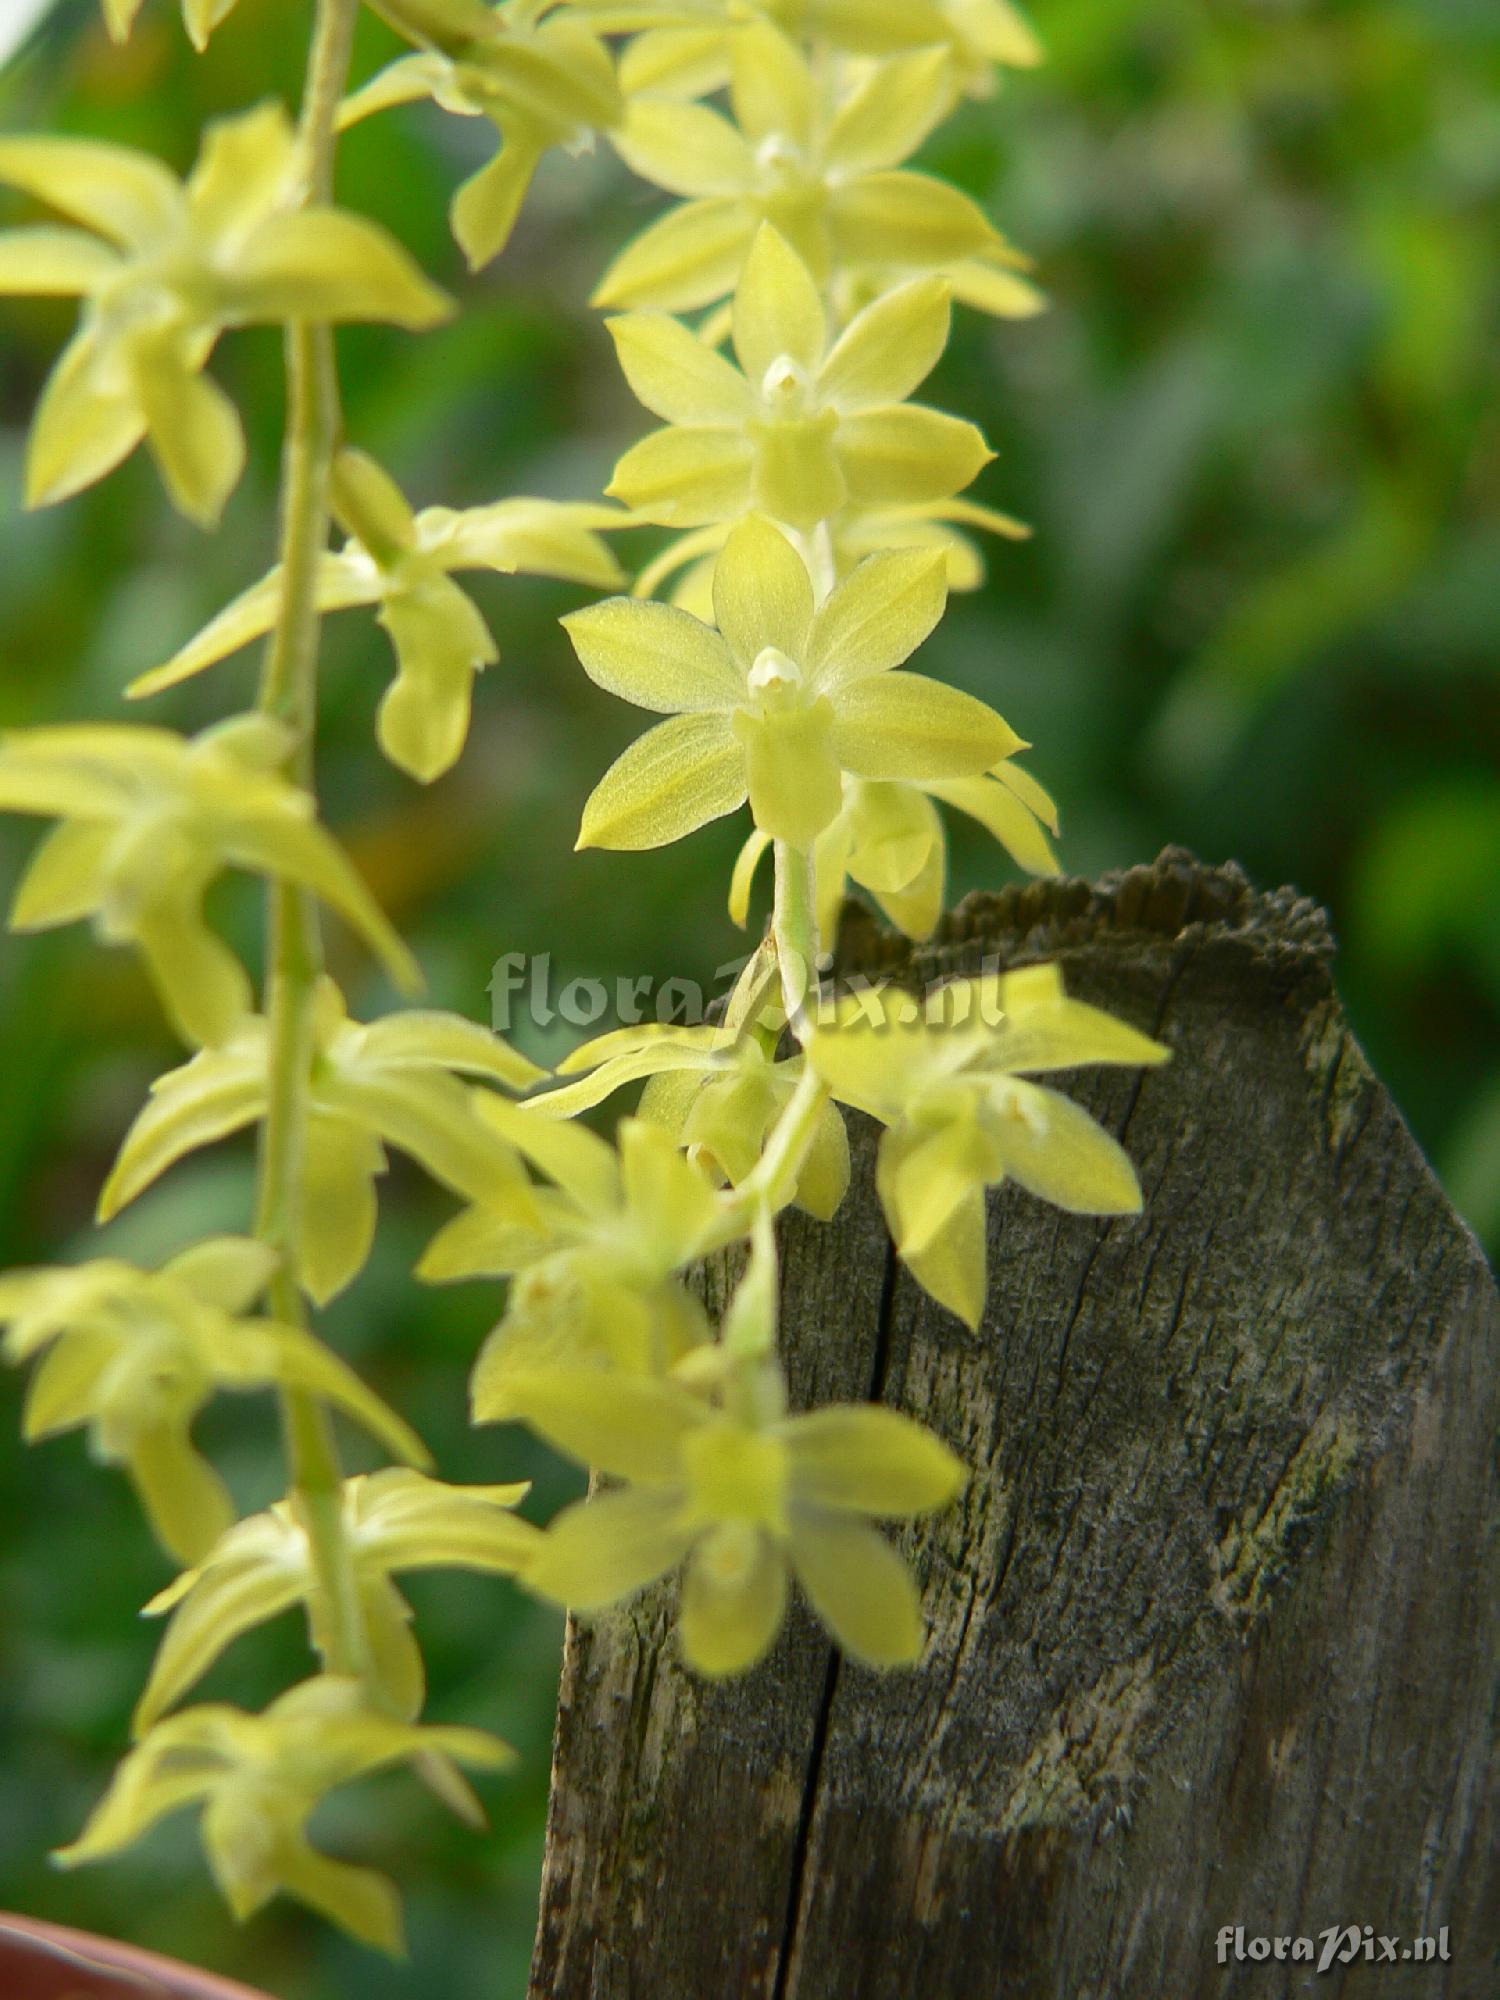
[(1213, 1634)]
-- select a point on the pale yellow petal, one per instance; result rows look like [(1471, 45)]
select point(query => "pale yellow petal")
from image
[(428, 1038), (743, 878), (219, 1092), (324, 264), (777, 310), (625, 1425), (64, 879), (368, 504), (47, 261), (674, 374), (341, 581), (864, 1459), (887, 349), (441, 643), (1061, 1155), (655, 656), (599, 1551), (791, 768), (685, 148), (683, 477), (204, 990), (860, 1589), (692, 256), (229, 1599), (991, 288), (484, 208), (730, 1616), (903, 725), (339, 1168), (123, 194), (877, 617), (195, 436), (906, 219), (1001, 813), (823, 1178), (246, 168), (674, 779), (85, 422), (762, 593), (772, 88), (186, 1502), (908, 453), (1032, 795), (537, 537), (887, 116), (953, 1268)]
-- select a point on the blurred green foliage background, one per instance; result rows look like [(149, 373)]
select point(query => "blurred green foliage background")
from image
[(1259, 439)]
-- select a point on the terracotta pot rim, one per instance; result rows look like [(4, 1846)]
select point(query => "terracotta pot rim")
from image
[(43, 1961)]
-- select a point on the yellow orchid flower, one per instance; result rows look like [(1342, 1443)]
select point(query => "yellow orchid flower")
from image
[(742, 1499), (593, 1276), (539, 77), (800, 428), (393, 1081), (717, 1091), (889, 838), (823, 176), (948, 1078), (781, 700), (393, 1521), (403, 562), (164, 267), (148, 820), (136, 1354), (258, 1779)]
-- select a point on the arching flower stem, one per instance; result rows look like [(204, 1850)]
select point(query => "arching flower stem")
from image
[(288, 691)]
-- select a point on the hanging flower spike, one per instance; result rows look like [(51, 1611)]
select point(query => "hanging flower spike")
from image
[(148, 820), (594, 1285), (136, 1354), (403, 563), (258, 1779), (742, 1499), (394, 1520), (779, 702), (394, 1081), (947, 1077), (889, 839), (717, 1091), (164, 267), (540, 82), (798, 430), (824, 178)]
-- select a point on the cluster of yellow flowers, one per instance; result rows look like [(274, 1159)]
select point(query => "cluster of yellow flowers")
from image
[(817, 525)]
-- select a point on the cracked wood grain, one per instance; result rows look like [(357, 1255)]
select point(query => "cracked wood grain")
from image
[(1213, 1630)]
